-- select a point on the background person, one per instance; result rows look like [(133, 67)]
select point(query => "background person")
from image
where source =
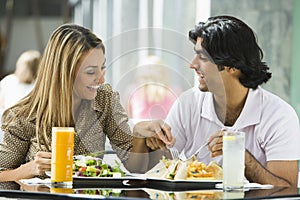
[(151, 97), (228, 62), (15, 86)]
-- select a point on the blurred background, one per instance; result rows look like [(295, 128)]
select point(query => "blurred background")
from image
[(133, 30)]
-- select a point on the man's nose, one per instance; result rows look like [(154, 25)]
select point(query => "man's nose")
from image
[(196, 67), (193, 64)]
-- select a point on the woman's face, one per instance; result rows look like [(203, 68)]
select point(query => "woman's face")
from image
[(90, 74)]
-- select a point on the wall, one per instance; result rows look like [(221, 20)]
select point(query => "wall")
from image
[(295, 71), (24, 37), (133, 29)]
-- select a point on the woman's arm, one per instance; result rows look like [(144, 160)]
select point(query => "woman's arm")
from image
[(141, 158), (22, 172), (38, 166), (138, 157)]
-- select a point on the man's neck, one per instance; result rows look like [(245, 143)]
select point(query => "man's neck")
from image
[(229, 107)]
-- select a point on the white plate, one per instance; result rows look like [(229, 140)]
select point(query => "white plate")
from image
[(48, 173), (109, 178), (186, 180)]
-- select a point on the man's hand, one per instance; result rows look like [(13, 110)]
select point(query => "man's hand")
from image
[(215, 144), (277, 173)]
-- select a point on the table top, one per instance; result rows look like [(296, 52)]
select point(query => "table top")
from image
[(134, 189)]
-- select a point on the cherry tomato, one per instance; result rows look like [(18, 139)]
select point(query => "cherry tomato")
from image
[(82, 169)]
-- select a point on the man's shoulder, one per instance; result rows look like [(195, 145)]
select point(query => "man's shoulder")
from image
[(192, 93), (190, 100), (270, 97), (275, 103)]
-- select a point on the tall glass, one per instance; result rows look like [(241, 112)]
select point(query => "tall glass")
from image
[(62, 155), (233, 160)]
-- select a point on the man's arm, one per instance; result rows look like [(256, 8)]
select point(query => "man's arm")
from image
[(277, 173)]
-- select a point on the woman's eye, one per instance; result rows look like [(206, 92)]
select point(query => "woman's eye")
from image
[(103, 67), (91, 72)]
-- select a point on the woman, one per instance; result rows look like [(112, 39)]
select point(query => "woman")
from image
[(69, 92)]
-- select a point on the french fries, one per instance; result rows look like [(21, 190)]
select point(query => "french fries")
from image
[(198, 170)]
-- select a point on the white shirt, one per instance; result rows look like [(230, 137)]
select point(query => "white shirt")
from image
[(13, 90), (271, 125)]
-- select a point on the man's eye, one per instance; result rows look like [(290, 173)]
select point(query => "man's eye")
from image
[(203, 58), (103, 67)]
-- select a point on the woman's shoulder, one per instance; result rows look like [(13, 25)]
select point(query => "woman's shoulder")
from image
[(12, 121), (105, 91), (105, 96)]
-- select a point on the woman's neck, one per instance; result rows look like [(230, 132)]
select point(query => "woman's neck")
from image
[(75, 107)]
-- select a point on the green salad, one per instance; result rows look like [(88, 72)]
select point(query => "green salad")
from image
[(89, 166)]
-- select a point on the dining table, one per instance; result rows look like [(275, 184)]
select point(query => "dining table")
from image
[(137, 188)]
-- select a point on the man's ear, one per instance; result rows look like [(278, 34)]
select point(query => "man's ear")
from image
[(233, 71), (229, 69)]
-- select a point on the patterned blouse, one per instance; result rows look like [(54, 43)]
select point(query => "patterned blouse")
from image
[(97, 119)]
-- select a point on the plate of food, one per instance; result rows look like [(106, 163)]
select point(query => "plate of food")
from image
[(182, 175), (93, 171)]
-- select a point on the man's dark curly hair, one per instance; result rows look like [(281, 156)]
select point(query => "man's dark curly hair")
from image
[(230, 42)]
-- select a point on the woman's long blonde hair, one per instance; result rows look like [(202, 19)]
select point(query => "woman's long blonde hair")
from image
[(50, 102)]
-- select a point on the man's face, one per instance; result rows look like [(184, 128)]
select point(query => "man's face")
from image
[(208, 74)]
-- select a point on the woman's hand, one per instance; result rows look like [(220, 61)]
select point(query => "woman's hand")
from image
[(157, 133), (41, 163)]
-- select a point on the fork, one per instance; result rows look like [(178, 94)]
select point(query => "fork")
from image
[(184, 158), (174, 153)]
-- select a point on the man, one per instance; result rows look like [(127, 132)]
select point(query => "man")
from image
[(228, 62)]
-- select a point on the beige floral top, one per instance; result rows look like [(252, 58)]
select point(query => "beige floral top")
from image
[(99, 118)]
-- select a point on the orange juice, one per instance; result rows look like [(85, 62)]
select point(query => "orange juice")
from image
[(62, 155), (61, 190)]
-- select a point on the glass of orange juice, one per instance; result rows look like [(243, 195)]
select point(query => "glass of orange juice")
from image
[(62, 155)]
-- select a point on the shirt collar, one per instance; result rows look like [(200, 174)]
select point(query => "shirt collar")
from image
[(250, 114)]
